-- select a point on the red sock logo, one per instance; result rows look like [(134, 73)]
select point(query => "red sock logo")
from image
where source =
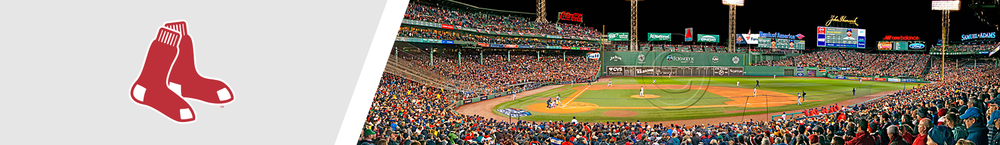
[(169, 73)]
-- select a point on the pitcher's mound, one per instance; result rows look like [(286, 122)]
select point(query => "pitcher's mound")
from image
[(620, 113), (645, 96), (573, 107)]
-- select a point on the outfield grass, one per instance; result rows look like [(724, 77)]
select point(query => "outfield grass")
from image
[(828, 90)]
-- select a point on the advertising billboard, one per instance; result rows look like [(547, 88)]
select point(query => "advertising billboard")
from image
[(900, 45), (617, 36), (747, 38), (658, 37), (688, 34), (575, 17), (708, 38), (917, 46), (950, 5), (840, 37), (884, 45), (984, 35), (780, 43)]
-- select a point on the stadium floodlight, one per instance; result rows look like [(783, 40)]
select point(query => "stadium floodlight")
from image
[(946, 5), (733, 2)]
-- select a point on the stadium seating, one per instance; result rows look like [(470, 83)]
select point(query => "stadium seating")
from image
[(862, 64), (494, 22), (405, 111), (454, 35)]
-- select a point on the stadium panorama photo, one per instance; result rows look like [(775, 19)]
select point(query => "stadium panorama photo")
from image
[(666, 72)]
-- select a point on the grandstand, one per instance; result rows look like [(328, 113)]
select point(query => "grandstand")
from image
[(450, 56)]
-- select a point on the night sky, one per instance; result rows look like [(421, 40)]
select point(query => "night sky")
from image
[(878, 17)]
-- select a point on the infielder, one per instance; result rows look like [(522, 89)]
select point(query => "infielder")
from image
[(609, 83), (513, 97), (754, 92), (799, 99), (654, 81), (737, 84)]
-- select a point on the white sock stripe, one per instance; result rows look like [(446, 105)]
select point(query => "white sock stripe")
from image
[(171, 40)]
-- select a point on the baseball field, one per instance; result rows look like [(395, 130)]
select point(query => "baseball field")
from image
[(686, 98)]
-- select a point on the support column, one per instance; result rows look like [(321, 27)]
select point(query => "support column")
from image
[(432, 58), (945, 25), (633, 41), (732, 28), (508, 55), (540, 11)]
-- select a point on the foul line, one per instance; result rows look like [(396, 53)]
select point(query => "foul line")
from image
[(575, 96)]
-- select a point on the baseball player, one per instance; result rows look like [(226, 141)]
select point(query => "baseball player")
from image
[(641, 90), (737, 84), (557, 99), (609, 83), (513, 97), (799, 99), (654, 81), (755, 92)]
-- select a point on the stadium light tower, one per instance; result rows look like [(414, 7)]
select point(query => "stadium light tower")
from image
[(633, 39), (945, 6), (732, 22), (540, 11)]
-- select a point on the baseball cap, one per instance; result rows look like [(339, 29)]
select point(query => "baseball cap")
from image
[(994, 116), (941, 135), (971, 112), (369, 132)]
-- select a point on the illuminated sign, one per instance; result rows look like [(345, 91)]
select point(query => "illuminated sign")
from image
[(658, 37), (575, 17), (911, 38), (917, 46), (617, 36), (984, 35), (884, 45), (687, 34), (747, 38), (834, 18), (840, 37), (778, 35)]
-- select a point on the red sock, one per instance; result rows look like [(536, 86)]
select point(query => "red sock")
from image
[(150, 88), (184, 77)]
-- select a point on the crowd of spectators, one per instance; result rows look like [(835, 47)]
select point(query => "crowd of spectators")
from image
[(861, 64), (496, 73), (462, 36), (954, 67), (493, 22), (965, 48), (960, 109)]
